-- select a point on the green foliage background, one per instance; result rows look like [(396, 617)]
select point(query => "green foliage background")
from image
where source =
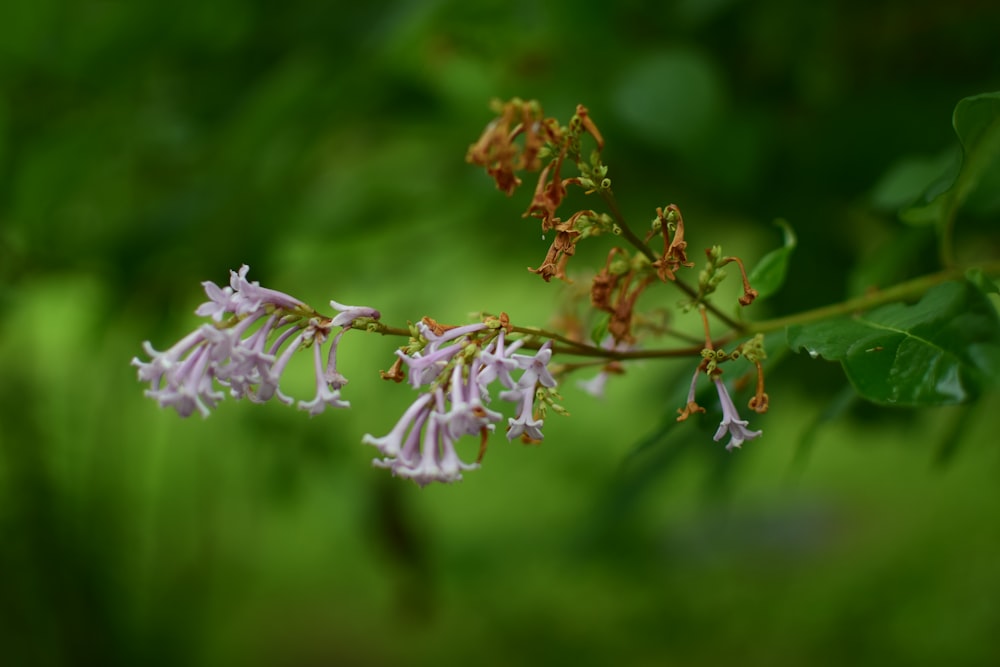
[(145, 147)]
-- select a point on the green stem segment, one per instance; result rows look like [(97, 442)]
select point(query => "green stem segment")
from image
[(906, 290)]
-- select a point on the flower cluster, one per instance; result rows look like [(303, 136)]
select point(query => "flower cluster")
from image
[(254, 333), (455, 369)]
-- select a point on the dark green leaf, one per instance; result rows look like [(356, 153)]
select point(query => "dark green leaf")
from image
[(977, 123), (936, 352), (906, 180), (769, 274)]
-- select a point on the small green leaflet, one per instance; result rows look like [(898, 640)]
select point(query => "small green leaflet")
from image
[(939, 351), (977, 123), (769, 274)]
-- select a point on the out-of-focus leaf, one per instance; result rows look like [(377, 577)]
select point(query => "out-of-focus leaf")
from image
[(834, 410), (977, 123), (955, 435), (672, 99), (769, 274), (906, 180), (938, 351), (600, 330), (985, 284), (894, 260)]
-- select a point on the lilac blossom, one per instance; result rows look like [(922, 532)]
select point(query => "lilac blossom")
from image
[(421, 446), (596, 385), (498, 363), (468, 414), (731, 422), (435, 460), (535, 373), (255, 334)]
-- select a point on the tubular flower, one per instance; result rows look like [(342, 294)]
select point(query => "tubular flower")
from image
[(254, 334), (595, 385), (731, 422), (535, 373), (455, 370)]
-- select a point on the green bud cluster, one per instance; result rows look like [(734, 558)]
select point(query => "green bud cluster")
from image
[(753, 349), (712, 275), (545, 398)]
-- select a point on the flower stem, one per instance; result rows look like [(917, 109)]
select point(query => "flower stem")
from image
[(609, 199), (904, 290)]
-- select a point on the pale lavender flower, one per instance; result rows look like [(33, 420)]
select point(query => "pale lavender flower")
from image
[(347, 314), (271, 376), (181, 377), (596, 385), (437, 460), (248, 361), (421, 446), (328, 380), (220, 302), (425, 368), (468, 415), (435, 341), (250, 296), (392, 444), (498, 363), (731, 422), (535, 373)]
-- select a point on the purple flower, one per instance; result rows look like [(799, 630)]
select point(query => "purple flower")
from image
[(257, 332), (498, 363), (535, 373), (435, 341), (424, 369), (328, 380), (468, 415), (731, 422), (392, 444), (595, 386), (250, 296), (181, 377), (458, 374), (347, 314), (437, 460)]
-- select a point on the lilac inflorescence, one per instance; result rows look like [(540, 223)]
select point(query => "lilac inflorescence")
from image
[(255, 333), (455, 375)]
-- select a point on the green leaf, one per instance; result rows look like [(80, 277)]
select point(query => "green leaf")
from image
[(769, 274), (600, 330), (907, 180), (985, 284), (977, 123), (672, 98), (938, 351)]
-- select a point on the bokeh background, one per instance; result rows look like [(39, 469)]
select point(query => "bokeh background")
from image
[(145, 147)]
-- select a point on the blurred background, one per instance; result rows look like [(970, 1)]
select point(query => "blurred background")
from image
[(146, 147)]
